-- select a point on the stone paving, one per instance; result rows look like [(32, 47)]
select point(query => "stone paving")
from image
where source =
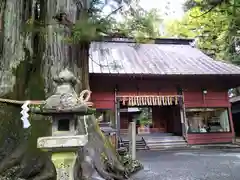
[(190, 165)]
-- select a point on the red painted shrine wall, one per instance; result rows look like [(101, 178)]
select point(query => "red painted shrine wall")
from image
[(211, 99), (103, 89), (209, 138), (103, 98), (191, 99)]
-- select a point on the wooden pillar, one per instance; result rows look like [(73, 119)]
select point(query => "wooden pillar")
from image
[(231, 124), (132, 135), (117, 115), (184, 122)]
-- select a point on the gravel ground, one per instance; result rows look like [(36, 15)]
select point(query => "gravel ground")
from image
[(190, 165)]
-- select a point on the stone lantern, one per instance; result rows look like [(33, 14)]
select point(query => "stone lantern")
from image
[(65, 109)]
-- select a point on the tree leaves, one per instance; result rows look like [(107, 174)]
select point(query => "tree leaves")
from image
[(126, 18), (209, 30), (217, 32)]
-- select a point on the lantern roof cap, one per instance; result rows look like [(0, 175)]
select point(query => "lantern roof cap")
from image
[(64, 99)]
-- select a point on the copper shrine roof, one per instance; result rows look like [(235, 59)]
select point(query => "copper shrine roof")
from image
[(156, 59)]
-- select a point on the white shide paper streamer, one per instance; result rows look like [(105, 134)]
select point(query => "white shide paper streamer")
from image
[(25, 115)]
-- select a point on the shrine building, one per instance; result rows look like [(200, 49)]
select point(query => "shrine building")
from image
[(169, 87)]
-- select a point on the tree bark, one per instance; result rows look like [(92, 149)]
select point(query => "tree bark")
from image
[(29, 61), (83, 62), (21, 79), (59, 53), (104, 157)]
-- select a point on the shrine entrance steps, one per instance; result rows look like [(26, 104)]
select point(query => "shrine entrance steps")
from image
[(140, 143), (164, 141), (156, 141)]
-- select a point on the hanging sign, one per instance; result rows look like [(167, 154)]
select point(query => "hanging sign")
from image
[(150, 100)]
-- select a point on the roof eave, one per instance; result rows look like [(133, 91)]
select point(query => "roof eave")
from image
[(161, 75)]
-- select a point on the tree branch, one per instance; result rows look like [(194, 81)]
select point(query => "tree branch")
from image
[(213, 7), (63, 19), (113, 12)]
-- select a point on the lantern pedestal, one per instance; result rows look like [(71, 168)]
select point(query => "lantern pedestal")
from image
[(63, 150), (64, 164)]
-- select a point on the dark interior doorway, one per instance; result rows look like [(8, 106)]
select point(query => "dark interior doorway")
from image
[(159, 119), (167, 119), (236, 123)]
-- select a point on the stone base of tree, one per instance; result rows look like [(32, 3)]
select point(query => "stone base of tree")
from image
[(132, 166)]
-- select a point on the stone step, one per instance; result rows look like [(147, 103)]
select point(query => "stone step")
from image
[(165, 141), (159, 142), (140, 144), (167, 144), (137, 142), (137, 145), (164, 138), (167, 147), (141, 147)]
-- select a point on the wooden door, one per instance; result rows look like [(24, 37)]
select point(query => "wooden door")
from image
[(163, 126), (159, 119)]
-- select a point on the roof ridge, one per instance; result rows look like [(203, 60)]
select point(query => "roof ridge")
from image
[(176, 41)]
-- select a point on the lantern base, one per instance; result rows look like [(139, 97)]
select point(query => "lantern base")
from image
[(64, 164)]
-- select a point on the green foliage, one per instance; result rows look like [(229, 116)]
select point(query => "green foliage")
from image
[(204, 4), (142, 25), (125, 20), (214, 28), (145, 117)]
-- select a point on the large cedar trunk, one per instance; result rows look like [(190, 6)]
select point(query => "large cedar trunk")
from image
[(29, 61), (21, 79), (84, 64)]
